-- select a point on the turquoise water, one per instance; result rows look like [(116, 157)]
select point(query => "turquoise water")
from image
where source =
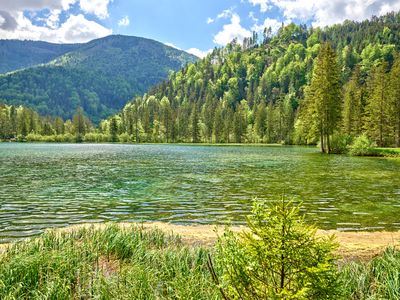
[(54, 185)]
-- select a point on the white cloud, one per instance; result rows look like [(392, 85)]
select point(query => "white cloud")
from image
[(198, 52), (253, 17), (328, 12), (76, 29), (29, 5), (268, 22), (96, 7), (124, 21), (264, 4), (16, 24), (231, 31), (225, 14), (53, 18)]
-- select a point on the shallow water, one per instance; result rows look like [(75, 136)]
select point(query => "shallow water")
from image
[(54, 185)]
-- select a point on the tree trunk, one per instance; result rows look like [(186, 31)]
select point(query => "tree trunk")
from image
[(328, 144), (322, 143), (398, 134)]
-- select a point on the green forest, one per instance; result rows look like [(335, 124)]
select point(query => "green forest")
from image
[(86, 77), (299, 86)]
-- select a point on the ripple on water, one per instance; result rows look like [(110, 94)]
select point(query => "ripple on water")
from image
[(44, 186)]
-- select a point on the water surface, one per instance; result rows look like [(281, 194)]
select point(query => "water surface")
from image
[(54, 185)]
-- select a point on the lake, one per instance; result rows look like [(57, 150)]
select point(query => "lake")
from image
[(55, 185)]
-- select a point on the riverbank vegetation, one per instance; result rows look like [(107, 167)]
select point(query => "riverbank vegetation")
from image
[(132, 262)]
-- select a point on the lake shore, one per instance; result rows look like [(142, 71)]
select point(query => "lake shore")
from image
[(354, 245)]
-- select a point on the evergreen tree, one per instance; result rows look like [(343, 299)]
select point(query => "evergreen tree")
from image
[(377, 118), (353, 106), (323, 96), (79, 124), (114, 129), (195, 124), (395, 98)]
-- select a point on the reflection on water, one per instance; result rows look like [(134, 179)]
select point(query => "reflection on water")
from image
[(53, 185)]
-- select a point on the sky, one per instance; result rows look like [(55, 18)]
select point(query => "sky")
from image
[(192, 25)]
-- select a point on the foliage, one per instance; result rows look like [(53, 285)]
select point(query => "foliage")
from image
[(260, 92), (279, 257), (340, 143), (321, 106), (362, 146), (86, 77), (110, 263)]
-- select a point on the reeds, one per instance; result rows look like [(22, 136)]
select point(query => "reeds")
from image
[(377, 279), (112, 263)]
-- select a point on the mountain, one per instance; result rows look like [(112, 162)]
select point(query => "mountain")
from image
[(99, 76), (257, 91), (16, 54)]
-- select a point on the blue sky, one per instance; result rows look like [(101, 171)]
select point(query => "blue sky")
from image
[(193, 25)]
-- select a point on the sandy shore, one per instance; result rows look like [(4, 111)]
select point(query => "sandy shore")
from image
[(353, 245)]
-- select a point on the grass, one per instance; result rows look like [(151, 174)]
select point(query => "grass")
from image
[(120, 262), (377, 279), (388, 152), (113, 263)]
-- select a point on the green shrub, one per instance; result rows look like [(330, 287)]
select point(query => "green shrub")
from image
[(340, 143), (362, 146), (33, 137), (125, 138), (280, 257)]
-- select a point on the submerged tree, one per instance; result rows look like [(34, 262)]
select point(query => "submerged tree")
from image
[(279, 257)]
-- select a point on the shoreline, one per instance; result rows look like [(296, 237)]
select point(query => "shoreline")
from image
[(358, 245)]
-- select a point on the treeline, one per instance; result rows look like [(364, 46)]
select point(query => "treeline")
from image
[(254, 93), (18, 123)]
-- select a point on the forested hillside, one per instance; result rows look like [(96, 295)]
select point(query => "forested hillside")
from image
[(100, 76), (16, 54), (267, 90)]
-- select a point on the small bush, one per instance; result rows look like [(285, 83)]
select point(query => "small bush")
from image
[(280, 257), (124, 138), (340, 143), (362, 146)]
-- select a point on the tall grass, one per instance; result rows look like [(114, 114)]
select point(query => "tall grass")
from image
[(133, 263), (377, 279), (114, 263)]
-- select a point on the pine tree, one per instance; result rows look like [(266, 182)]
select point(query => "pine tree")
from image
[(395, 98), (195, 124), (377, 118), (353, 106), (323, 97), (79, 124), (260, 119), (114, 129)]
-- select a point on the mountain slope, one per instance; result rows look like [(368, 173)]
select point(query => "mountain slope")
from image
[(252, 92), (99, 76), (16, 54)]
